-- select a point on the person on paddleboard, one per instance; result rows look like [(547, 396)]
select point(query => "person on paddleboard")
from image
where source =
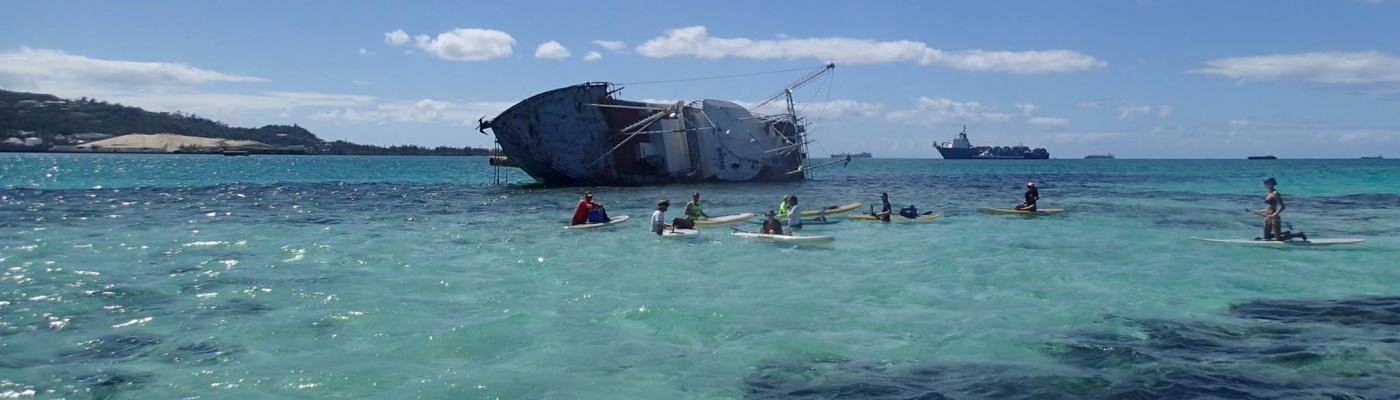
[(771, 224), (589, 211), (794, 216), (1273, 223), (693, 211), (1032, 196), (885, 209), (658, 218), (783, 207)]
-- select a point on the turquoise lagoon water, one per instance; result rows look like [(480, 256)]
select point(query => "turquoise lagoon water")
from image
[(189, 276)]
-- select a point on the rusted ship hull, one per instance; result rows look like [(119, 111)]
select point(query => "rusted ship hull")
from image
[(582, 135)]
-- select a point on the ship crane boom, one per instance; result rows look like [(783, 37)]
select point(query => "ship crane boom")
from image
[(794, 86)]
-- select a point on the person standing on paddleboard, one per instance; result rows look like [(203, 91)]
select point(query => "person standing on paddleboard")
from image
[(658, 218), (693, 211), (587, 206), (1032, 196)]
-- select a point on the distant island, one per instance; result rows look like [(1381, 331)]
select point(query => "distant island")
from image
[(856, 155), (33, 122)]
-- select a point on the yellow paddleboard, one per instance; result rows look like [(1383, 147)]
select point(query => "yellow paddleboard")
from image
[(830, 211), (868, 217), (1021, 212)]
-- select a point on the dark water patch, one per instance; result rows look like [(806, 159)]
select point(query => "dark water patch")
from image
[(1382, 311), (115, 347), (235, 308), (1286, 356), (202, 353), (110, 385)]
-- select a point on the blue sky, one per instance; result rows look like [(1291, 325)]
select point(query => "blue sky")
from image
[(1137, 78)]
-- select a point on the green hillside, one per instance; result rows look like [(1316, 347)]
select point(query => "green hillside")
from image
[(52, 118)]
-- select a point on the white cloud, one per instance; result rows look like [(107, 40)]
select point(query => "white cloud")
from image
[(1047, 122), (422, 111), (552, 50), (397, 37), (1239, 123), (1027, 109), (593, 56), (1088, 104), (612, 45), (364, 52), (1164, 111), (1335, 67), (229, 105), (695, 41), (1126, 112), (44, 70), (460, 44), (942, 111), (361, 83)]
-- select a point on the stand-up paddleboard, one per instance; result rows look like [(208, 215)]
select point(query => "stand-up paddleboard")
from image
[(726, 219), (679, 232), (613, 221), (831, 210), (1313, 242), (786, 238), (1021, 212), (804, 222), (896, 217)]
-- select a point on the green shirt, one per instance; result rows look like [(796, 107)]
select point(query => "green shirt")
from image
[(782, 209), (692, 211)]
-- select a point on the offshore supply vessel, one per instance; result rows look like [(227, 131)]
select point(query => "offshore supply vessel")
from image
[(961, 149), (584, 135)]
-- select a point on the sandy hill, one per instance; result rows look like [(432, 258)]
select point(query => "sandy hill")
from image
[(170, 142)]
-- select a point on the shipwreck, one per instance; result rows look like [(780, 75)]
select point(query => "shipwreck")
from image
[(584, 135)]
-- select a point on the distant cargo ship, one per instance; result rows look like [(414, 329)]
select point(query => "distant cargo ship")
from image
[(1264, 157), (961, 149), (856, 155), (1093, 156), (1375, 157)]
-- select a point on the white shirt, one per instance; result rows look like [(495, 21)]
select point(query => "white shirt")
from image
[(794, 216), (658, 219)]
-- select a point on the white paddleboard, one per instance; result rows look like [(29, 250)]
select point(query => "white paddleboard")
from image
[(679, 232), (614, 221), (786, 238), (1314, 242), (726, 219)]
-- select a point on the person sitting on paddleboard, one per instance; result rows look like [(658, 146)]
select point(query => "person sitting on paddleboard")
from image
[(1032, 195), (585, 213), (658, 218), (771, 225), (884, 214), (794, 219), (693, 211), (783, 207), (1273, 206)]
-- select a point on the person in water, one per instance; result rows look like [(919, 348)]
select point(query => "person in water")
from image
[(1273, 206), (794, 218), (582, 211), (783, 207), (771, 225), (658, 218), (693, 211), (1032, 195)]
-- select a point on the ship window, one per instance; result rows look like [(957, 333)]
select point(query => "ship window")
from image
[(734, 165)]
